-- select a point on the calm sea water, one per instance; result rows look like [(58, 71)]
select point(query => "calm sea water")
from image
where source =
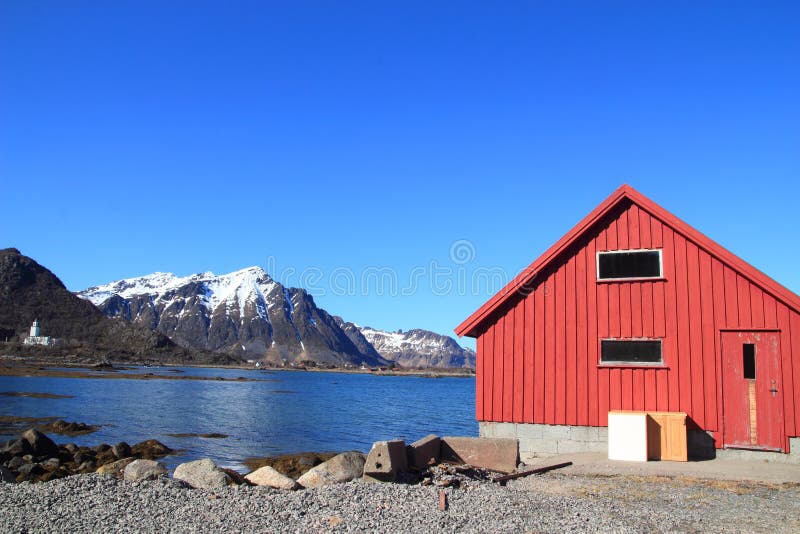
[(288, 412)]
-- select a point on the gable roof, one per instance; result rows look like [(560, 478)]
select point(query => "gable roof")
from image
[(624, 193)]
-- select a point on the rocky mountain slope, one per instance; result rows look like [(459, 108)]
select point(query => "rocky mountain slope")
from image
[(29, 291), (251, 316), (419, 348), (245, 313)]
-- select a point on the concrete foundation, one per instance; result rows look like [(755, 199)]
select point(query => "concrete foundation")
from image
[(747, 455), (541, 441), (538, 441)]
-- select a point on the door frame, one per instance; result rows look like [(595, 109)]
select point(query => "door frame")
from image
[(779, 357)]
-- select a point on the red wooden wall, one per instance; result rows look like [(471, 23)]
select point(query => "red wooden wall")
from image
[(538, 357)]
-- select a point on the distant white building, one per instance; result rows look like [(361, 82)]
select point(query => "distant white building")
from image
[(36, 339)]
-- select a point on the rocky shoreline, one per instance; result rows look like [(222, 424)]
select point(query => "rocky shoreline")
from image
[(65, 367), (548, 503), (125, 488)]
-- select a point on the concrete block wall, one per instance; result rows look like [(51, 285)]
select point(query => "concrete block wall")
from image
[(537, 441)]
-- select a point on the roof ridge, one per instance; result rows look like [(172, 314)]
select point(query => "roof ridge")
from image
[(625, 191)]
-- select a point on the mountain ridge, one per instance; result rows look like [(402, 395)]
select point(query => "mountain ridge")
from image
[(248, 314), (244, 313)]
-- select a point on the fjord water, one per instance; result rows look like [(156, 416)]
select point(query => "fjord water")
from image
[(282, 412)]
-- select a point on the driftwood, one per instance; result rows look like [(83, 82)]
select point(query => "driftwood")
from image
[(505, 478)]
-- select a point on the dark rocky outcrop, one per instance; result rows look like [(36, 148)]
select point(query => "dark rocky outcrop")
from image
[(29, 291), (35, 457), (40, 444)]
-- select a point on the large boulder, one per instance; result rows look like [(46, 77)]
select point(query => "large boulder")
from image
[(144, 470), (267, 476), (40, 444), (202, 474), (341, 468), (115, 469)]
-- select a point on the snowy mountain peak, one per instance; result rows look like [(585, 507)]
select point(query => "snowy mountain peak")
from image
[(243, 282), (245, 312), (249, 314), (419, 348)]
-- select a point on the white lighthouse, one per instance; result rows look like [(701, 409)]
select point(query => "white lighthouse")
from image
[(36, 339)]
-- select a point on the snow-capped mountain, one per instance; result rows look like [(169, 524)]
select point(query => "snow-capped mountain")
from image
[(245, 312), (419, 348)]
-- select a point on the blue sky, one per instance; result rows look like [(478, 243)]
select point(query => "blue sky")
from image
[(349, 146)]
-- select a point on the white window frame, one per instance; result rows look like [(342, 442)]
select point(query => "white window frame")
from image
[(660, 264)]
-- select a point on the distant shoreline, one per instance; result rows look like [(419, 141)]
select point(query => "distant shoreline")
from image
[(36, 366)]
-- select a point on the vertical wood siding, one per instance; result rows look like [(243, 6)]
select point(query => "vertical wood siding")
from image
[(538, 358)]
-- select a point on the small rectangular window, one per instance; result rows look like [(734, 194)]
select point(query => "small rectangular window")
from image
[(616, 265), (646, 351), (749, 363)]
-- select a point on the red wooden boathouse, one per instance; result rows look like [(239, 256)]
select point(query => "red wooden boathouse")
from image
[(633, 309)]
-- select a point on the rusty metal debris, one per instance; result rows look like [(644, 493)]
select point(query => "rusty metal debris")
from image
[(505, 478)]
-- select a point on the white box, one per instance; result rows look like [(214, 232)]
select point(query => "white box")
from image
[(627, 436)]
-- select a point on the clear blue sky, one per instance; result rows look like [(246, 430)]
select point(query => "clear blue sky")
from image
[(334, 137)]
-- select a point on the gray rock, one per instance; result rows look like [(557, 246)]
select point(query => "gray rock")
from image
[(17, 447), (115, 469), (40, 444), (6, 475), (87, 466), (144, 470), (267, 476), (30, 470), (121, 450), (341, 468), (52, 463), (202, 474), (71, 448), (16, 462)]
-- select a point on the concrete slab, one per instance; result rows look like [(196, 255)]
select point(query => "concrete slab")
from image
[(596, 463), (423, 451), (497, 454), (386, 459)]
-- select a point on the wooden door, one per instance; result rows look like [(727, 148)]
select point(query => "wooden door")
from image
[(752, 414)]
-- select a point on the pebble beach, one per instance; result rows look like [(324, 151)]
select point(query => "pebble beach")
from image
[(542, 503)]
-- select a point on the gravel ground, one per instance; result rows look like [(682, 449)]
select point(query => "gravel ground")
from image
[(547, 503)]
